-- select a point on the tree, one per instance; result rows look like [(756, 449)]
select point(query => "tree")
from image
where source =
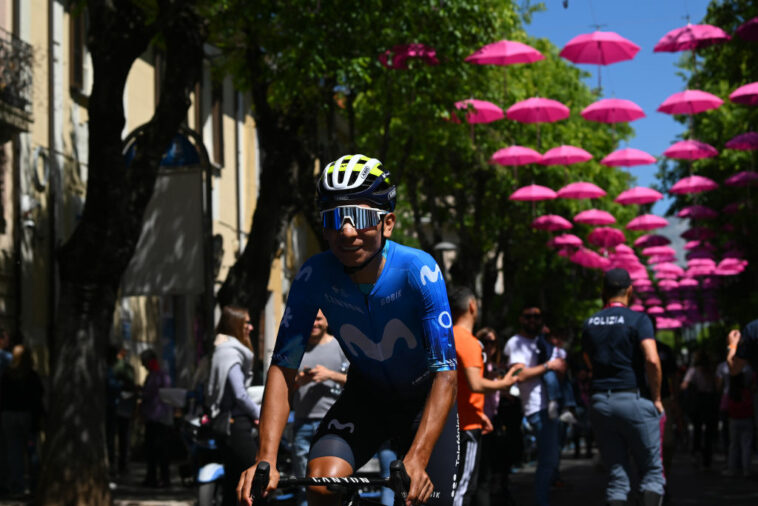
[(92, 261)]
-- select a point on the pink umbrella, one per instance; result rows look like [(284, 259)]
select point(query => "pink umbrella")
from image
[(551, 223), (693, 184), (647, 222), (659, 259), (651, 240), (637, 307), (601, 48), (658, 250), (743, 178), (623, 248), (537, 110), (746, 95), (748, 30), (697, 212), (478, 111), (668, 284), (606, 237), (690, 37), (396, 58), (688, 283), (690, 150), (567, 240), (700, 254), (638, 195), (700, 233), (655, 310), (595, 217), (653, 301), (505, 52), (515, 155), (667, 323), (744, 142), (666, 275), (690, 102), (642, 282), (581, 190), (627, 157), (691, 245), (533, 192), (697, 272), (565, 155), (613, 110), (668, 267), (674, 306)]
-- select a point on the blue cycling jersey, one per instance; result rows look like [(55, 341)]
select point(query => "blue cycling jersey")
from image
[(394, 337)]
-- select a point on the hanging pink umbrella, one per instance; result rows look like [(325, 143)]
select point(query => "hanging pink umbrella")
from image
[(637, 307), (647, 222), (744, 142), (595, 217), (668, 267), (642, 282), (606, 237), (533, 192), (746, 95), (674, 306), (693, 245), (658, 250), (638, 195), (567, 240), (653, 301), (688, 283), (665, 275), (690, 150), (397, 57), (693, 184), (700, 254), (690, 37), (701, 262), (655, 310), (627, 157), (478, 111), (537, 110), (623, 248), (613, 110), (551, 223), (743, 178), (659, 259), (515, 155), (700, 233), (748, 30), (668, 284), (697, 212), (565, 155), (651, 240), (600, 48), (505, 52), (690, 102), (581, 190)]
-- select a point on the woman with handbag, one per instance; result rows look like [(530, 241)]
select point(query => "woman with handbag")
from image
[(233, 412)]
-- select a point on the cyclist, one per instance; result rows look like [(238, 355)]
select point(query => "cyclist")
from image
[(388, 307)]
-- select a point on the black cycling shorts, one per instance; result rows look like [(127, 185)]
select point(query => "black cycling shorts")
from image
[(361, 420)]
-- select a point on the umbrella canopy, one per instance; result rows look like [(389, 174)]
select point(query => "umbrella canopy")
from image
[(628, 157), (700, 254), (700, 233), (668, 284), (697, 212), (588, 258), (613, 110), (690, 150), (667, 323), (660, 259), (655, 310), (505, 52), (397, 57), (567, 240), (674, 306), (701, 262), (748, 30), (651, 240), (638, 195), (606, 237), (743, 178), (690, 102), (533, 192), (537, 110), (744, 142), (647, 222), (653, 301), (600, 48), (624, 249), (658, 250), (693, 184), (565, 155), (551, 223), (690, 37), (595, 217), (746, 95), (692, 245), (688, 283), (515, 155), (478, 111), (581, 190), (637, 307)]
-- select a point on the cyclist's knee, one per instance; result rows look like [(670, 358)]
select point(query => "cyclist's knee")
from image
[(326, 466)]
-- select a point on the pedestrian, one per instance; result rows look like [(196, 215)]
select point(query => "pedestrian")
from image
[(319, 382), (620, 346), (740, 411), (700, 384), (743, 348), (158, 419), (582, 393), (5, 361), (472, 385), (124, 373), (231, 374), (522, 349), (490, 459)]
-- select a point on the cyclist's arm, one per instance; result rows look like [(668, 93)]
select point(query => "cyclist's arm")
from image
[(438, 405)]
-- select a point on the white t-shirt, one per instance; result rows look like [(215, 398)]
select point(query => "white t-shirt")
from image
[(521, 350), (558, 353)]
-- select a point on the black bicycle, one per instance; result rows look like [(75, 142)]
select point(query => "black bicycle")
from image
[(348, 486)]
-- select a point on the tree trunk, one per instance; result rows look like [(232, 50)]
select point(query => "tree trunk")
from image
[(91, 263)]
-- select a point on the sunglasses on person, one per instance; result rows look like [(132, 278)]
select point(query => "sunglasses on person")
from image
[(360, 218)]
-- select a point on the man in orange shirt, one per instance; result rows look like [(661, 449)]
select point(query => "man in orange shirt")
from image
[(472, 385)]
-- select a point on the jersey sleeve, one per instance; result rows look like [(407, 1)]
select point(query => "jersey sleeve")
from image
[(425, 277), (644, 328), (298, 318)]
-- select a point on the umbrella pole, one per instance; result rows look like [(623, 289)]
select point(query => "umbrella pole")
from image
[(505, 85), (538, 137)]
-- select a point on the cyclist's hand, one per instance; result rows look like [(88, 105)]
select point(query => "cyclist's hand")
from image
[(421, 485), (244, 487)]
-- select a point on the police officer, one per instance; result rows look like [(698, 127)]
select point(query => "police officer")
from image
[(620, 345)]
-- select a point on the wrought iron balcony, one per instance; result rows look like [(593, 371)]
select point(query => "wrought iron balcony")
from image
[(16, 70)]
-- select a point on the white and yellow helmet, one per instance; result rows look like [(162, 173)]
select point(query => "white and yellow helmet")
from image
[(356, 178)]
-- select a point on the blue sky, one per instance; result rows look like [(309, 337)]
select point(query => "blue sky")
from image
[(648, 79)]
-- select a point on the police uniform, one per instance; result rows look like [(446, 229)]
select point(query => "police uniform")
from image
[(625, 423)]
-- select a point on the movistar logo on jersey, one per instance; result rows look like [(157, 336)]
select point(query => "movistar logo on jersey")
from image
[(606, 320), (394, 331), (428, 275)]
